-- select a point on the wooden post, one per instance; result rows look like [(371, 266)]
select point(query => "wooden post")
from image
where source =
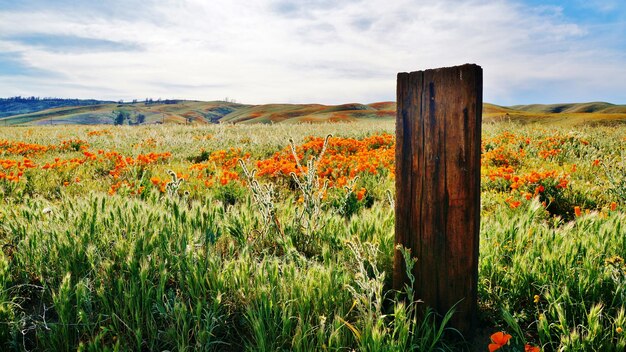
[(438, 133)]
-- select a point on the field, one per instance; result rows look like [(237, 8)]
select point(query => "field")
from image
[(273, 237)]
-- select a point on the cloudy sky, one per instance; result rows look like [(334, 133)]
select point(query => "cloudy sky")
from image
[(323, 51)]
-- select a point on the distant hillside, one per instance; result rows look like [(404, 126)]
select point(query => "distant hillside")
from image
[(574, 114), (19, 105), (595, 107), (273, 113), (202, 112), (166, 111), (187, 111)]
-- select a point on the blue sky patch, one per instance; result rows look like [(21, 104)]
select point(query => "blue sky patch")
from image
[(65, 43), (11, 64)]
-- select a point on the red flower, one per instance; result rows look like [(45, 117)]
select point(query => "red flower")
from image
[(499, 340), (530, 348)]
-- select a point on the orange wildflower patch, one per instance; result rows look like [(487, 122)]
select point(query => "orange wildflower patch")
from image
[(13, 170), (544, 154), (122, 163), (73, 144), (344, 158), (98, 133), (221, 167), (504, 150), (20, 148)]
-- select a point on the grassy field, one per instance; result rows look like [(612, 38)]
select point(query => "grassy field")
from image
[(272, 237)]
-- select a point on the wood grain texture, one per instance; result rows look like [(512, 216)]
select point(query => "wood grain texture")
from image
[(438, 131)]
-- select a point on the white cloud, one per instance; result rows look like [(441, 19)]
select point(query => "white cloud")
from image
[(311, 51)]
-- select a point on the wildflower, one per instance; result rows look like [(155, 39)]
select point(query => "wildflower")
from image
[(619, 330), (360, 194), (562, 183), (498, 339), (577, 211), (539, 189), (596, 162), (514, 203), (613, 206), (530, 348), (536, 298)]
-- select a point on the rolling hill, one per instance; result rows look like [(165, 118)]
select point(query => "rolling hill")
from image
[(187, 111), (274, 113), (203, 112), (595, 107), (180, 111), (20, 105), (573, 114)]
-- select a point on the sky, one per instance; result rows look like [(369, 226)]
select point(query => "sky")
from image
[(310, 51)]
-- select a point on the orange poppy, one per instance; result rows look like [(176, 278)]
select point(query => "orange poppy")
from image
[(577, 211), (530, 348), (360, 194), (498, 339)]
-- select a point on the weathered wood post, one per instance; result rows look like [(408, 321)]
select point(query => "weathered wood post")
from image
[(438, 130)]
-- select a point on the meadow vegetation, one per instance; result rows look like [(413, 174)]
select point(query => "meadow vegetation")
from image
[(281, 237)]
